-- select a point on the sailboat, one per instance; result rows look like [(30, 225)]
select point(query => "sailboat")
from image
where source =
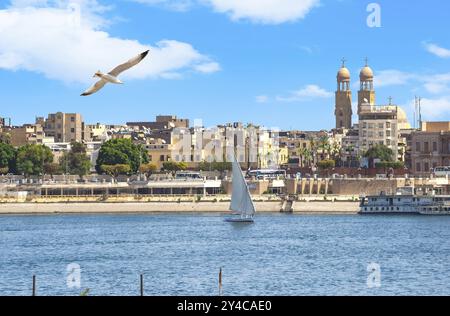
[(241, 201)]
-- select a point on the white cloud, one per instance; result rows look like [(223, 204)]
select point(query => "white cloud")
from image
[(437, 50), (70, 44), (257, 11), (436, 84), (265, 11), (434, 109), (306, 93), (392, 77), (262, 99), (208, 67), (177, 5)]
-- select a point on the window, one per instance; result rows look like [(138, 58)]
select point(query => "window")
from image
[(426, 166), (381, 125), (417, 146), (72, 130), (388, 133), (161, 158), (418, 167), (426, 147), (381, 134), (434, 146), (388, 125), (72, 119)]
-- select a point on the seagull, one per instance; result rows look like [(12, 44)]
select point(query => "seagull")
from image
[(111, 77)]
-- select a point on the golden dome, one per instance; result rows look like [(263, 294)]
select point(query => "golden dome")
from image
[(343, 74), (366, 74)]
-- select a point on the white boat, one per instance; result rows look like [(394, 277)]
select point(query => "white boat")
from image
[(405, 201), (241, 201)]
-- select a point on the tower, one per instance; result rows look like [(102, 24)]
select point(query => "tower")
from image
[(343, 110), (366, 94)]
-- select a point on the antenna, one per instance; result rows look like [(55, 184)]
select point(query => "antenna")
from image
[(420, 113), (415, 112), (367, 61), (343, 62)]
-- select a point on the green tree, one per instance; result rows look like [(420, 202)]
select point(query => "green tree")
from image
[(215, 166), (381, 152), (174, 166), (116, 170), (313, 148), (389, 164), (31, 159), (304, 154), (326, 164), (121, 152), (52, 169), (7, 158), (5, 138), (76, 160), (147, 168), (324, 146)]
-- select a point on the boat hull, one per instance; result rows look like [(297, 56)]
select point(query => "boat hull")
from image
[(239, 220)]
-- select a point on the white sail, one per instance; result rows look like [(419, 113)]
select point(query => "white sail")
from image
[(241, 200)]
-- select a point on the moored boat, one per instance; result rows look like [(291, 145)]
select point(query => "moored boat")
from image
[(405, 201)]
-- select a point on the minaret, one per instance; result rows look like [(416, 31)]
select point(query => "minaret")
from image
[(343, 110), (366, 94)]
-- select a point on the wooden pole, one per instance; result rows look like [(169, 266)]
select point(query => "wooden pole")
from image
[(34, 286), (142, 285)]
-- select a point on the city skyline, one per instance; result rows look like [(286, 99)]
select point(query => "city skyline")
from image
[(251, 65)]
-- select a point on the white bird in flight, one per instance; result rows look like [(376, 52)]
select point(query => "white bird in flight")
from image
[(111, 77)]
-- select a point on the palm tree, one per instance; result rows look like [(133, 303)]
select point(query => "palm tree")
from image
[(301, 153), (324, 146), (313, 149), (308, 156), (336, 151)]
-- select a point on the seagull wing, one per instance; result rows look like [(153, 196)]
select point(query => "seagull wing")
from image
[(97, 86), (132, 62)]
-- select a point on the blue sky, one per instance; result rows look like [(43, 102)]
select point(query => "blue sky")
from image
[(271, 62)]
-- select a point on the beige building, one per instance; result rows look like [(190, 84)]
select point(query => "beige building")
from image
[(95, 132), (162, 122), (430, 148), (378, 124), (32, 134), (158, 154), (435, 127), (381, 125), (254, 147), (64, 127)]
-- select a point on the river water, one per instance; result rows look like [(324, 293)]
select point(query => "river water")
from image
[(181, 254)]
